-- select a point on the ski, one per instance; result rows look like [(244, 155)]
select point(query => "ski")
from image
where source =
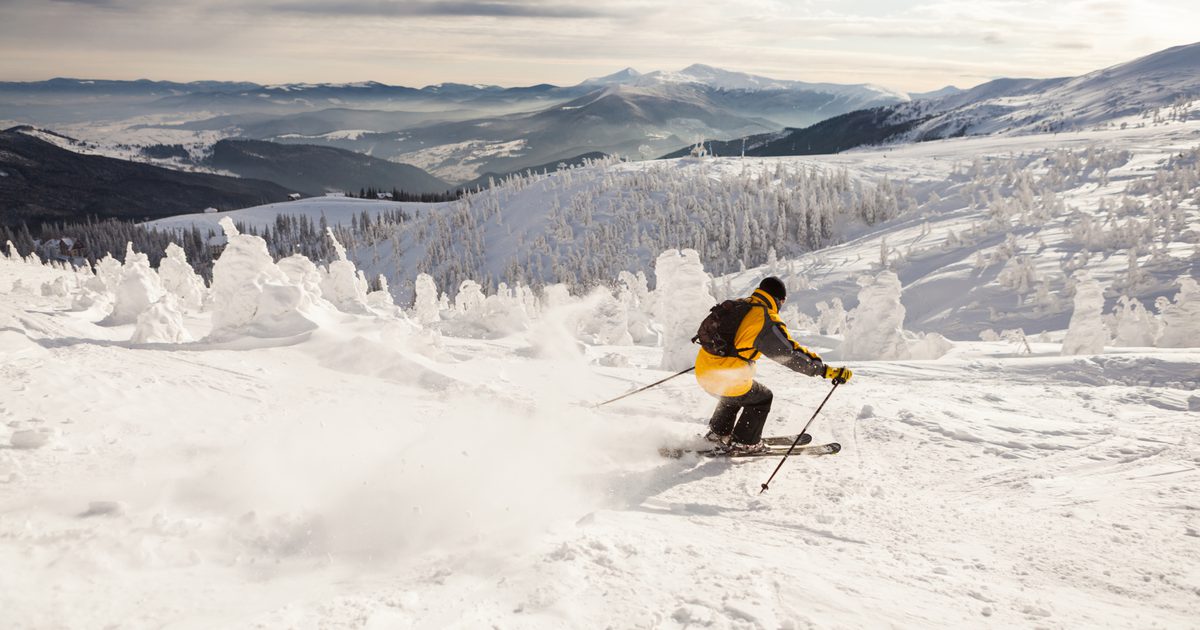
[(772, 451), (787, 440)]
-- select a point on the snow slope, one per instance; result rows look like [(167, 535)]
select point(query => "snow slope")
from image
[(367, 475), (965, 210), (1162, 85)]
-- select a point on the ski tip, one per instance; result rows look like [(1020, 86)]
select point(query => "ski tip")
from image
[(834, 448)]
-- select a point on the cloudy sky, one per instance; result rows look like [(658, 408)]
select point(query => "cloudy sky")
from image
[(912, 45)]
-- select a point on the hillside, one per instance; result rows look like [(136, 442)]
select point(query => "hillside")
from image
[(316, 169), (617, 120), (43, 182), (967, 223), (1149, 90), (858, 128)]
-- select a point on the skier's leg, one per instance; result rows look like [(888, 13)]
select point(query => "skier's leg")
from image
[(756, 405), (724, 415)]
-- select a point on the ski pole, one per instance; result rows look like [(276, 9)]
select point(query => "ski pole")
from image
[(766, 485), (644, 388)]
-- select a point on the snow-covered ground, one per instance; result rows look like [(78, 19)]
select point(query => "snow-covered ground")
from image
[(368, 474), (320, 459)]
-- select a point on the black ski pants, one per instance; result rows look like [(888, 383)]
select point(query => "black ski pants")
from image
[(755, 405)]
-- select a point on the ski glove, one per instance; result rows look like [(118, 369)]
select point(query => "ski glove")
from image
[(838, 374)]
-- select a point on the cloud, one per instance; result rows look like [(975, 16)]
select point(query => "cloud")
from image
[(481, 8), (1068, 45)]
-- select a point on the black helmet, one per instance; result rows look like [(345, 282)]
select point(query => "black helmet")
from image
[(774, 288)]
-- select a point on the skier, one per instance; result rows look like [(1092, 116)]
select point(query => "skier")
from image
[(726, 370)]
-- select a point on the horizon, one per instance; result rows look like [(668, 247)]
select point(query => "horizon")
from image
[(452, 82), (909, 46)]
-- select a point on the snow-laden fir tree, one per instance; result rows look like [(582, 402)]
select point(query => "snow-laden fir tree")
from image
[(251, 295), (304, 273), (635, 299), (1131, 324), (683, 299), (161, 323), (138, 288), (1181, 318), (180, 280), (1086, 334), (425, 307), (342, 284), (874, 329), (831, 318)]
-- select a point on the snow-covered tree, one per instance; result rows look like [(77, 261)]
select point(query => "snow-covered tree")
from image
[(425, 307), (251, 294), (180, 280), (469, 298), (1131, 324), (1181, 318), (635, 299), (683, 298), (161, 323), (138, 288), (1086, 333), (874, 329), (342, 284), (303, 272), (831, 318)]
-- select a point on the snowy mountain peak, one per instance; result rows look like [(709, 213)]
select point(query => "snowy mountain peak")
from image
[(720, 79), (628, 75)]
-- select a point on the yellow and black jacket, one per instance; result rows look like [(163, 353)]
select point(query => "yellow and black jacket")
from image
[(760, 333)]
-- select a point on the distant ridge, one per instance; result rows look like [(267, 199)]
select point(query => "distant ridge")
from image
[(1157, 84), (316, 169), (41, 182)]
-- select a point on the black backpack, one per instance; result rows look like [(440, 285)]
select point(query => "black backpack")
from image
[(718, 332)]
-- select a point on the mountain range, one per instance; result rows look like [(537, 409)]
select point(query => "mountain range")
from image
[(456, 132), (1148, 89), (439, 137)]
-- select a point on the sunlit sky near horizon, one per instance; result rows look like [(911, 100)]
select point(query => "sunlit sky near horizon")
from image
[(910, 45)]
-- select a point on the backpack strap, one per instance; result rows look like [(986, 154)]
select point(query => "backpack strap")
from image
[(766, 318)]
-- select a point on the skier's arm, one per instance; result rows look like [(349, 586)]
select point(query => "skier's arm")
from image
[(775, 342)]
